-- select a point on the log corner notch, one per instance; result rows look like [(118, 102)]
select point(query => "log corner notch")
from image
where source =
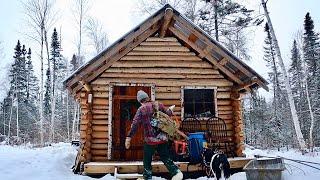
[(238, 124), (166, 22), (84, 152)]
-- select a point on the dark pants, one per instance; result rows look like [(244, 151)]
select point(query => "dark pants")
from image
[(163, 150)]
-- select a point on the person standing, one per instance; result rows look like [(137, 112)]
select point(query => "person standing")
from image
[(154, 140)]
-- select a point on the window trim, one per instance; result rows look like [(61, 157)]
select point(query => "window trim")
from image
[(199, 87)]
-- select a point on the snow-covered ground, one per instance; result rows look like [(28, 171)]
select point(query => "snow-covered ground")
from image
[(55, 162)]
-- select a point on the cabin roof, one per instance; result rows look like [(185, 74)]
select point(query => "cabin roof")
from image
[(169, 20)]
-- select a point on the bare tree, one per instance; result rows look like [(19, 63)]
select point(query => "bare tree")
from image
[(95, 33), (81, 8), (294, 114), (40, 17)]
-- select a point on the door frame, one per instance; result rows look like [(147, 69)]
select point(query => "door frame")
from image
[(111, 85)]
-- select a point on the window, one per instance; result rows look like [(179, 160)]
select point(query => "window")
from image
[(199, 103)]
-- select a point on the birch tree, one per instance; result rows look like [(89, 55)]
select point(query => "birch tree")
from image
[(294, 114), (40, 15), (96, 34), (311, 50)]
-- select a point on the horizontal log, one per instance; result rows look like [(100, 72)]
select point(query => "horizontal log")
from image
[(100, 88), (165, 39), (151, 53), (101, 94), (161, 58), (95, 121), (162, 48), (167, 89), (98, 134), (96, 152), (225, 116), (160, 43), (102, 128), (100, 116), (167, 96), (225, 88), (172, 82), (171, 102), (163, 70), (223, 108), (223, 95), (222, 102), (99, 146), (100, 101), (161, 64), (160, 76), (99, 141), (95, 111), (99, 158), (222, 112)]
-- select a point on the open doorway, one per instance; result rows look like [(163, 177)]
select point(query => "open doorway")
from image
[(125, 105)]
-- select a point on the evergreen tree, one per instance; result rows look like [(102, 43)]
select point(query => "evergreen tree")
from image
[(311, 54)]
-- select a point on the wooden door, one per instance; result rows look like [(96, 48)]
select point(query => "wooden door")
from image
[(125, 105)]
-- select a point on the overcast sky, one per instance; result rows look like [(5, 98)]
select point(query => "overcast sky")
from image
[(120, 16)]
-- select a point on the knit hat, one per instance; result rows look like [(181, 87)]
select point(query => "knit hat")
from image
[(141, 95)]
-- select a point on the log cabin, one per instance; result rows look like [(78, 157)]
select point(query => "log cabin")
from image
[(176, 63)]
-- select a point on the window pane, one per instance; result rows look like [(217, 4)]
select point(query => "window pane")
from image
[(199, 102)]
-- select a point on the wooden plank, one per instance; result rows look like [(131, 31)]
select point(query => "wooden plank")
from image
[(160, 76), (157, 167), (162, 48), (151, 53), (164, 39), (160, 58), (164, 70), (173, 82), (160, 64)]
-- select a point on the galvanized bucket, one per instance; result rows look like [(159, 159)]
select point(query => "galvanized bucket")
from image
[(264, 169)]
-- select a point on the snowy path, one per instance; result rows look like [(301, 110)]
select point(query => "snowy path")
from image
[(54, 162)]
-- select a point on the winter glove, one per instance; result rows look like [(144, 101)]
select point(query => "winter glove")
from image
[(127, 143), (172, 107)]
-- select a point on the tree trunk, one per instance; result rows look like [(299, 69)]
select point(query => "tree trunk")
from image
[(41, 91), (17, 117), (74, 122), (68, 123), (311, 116), (10, 119), (215, 7), (295, 119)]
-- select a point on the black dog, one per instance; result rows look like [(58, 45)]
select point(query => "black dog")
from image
[(216, 163)]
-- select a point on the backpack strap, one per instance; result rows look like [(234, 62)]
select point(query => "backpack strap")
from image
[(156, 109)]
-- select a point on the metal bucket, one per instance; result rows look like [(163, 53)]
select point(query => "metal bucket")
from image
[(264, 169)]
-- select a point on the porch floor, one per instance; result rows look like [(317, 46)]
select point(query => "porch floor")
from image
[(157, 166)]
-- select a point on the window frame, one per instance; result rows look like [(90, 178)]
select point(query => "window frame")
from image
[(215, 100)]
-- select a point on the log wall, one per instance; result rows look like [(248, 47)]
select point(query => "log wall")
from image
[(167, 64)]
